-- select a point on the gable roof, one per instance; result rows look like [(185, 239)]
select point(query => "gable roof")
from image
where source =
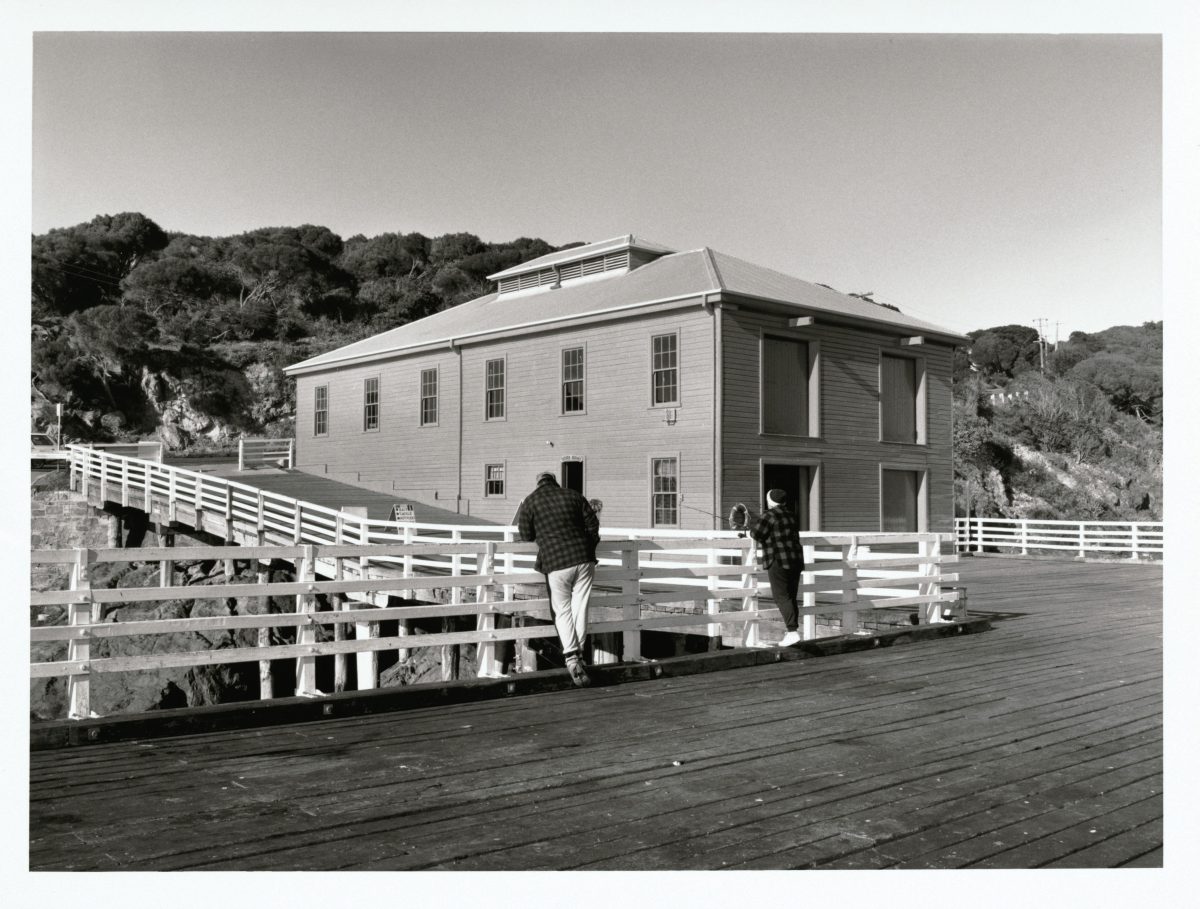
[(672, 277)]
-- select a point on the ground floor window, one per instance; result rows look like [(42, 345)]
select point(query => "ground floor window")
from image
[(493, 480), (899, 504), (664, 480)]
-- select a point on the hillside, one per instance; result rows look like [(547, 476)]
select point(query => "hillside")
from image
[(1080, 441), (141, 333)]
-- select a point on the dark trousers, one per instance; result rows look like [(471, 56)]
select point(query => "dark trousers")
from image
[(784, 582)]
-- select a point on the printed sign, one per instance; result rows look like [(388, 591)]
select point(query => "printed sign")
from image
[(403, 513)]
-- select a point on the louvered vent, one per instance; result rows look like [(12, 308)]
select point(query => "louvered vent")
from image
[(549, 277)]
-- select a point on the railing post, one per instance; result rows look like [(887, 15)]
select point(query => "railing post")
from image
[(103, 478), (124, 482), (450, 652), (404, 626), (241, 455), (631, 611), (850, 585), (1082, 541), (931, 549), (306, 633), (79, 614), (291, 456), (338, 602), (808, 614), (266, 682), (1134, 542), (488, 665), (260, 524), (297, 522), (172, 493), (752, 636), (366, 662), (1024, 537), (979, 534), (713, 605)]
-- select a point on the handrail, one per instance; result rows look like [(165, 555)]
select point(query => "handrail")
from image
[(485, 569), (1137, 539)]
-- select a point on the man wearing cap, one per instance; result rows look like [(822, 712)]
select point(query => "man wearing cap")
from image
[(777, 532), (566, 529)]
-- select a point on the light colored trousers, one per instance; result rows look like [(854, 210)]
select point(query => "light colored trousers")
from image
[(570, 589)]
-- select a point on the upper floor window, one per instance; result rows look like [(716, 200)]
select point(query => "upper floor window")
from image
[(664, 492), (572, 380), (664, 369), (321, 410), (429, 397), (900, 399), (494, 389), (786, 393), (371, 403)]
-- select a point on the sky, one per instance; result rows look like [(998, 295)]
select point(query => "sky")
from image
[(970, 180)]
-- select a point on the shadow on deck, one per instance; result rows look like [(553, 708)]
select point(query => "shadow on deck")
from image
[(1036, 744)]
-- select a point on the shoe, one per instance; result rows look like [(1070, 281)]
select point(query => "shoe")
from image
[(792, 637), (579, 678)]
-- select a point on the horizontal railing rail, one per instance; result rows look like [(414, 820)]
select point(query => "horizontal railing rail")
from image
[(707, 582), (1136, 539)]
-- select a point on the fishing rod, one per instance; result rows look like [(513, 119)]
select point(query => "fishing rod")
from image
[(738, 518)]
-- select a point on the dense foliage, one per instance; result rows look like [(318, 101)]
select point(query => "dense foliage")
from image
[(1081, 440), (140, 332)]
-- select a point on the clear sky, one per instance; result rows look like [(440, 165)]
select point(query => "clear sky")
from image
[(971, 180)]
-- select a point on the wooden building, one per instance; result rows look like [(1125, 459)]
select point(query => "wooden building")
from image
[(669, 385)]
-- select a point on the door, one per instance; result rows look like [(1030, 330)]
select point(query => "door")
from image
[(796, 481), (572, 475)]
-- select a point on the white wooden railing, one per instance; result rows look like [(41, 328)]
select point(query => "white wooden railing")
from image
[(643, 578), (1136, 539), (145, 451), (266, 453)]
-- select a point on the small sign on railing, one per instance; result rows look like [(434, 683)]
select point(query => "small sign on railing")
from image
[(403, 513)]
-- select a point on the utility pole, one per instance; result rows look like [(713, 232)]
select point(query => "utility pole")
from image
[(1057, 325), (1041, 343)]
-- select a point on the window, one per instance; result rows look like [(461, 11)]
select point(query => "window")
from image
[(429, 397), (321, 410), (664, 486), (899, 384), (572, 380), (785, 387), (494, 385), (899, 491), (664, 369), (493, 480), (371, 404)]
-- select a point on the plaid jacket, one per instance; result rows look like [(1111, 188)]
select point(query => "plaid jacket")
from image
[(777, 531), (563, 524)]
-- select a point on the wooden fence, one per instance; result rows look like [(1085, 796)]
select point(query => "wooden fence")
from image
[(266, 453), (643, 579), (1135, 539)]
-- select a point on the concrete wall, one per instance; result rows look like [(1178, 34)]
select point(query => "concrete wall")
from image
[(64, 520)]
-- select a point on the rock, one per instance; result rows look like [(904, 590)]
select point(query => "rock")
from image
[(172, 437)]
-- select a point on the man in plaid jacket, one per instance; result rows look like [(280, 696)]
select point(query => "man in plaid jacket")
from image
[(567, 530), (777, 531)]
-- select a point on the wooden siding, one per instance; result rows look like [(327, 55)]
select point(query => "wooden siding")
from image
[(616, 435), (849, 450), (420, 460)]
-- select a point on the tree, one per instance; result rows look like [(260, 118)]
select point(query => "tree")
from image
[(1005, 351)]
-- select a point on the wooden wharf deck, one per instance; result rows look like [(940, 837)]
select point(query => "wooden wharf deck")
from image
[(1036, 744)]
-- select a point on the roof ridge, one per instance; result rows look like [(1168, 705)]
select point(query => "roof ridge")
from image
[(711, 264)]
